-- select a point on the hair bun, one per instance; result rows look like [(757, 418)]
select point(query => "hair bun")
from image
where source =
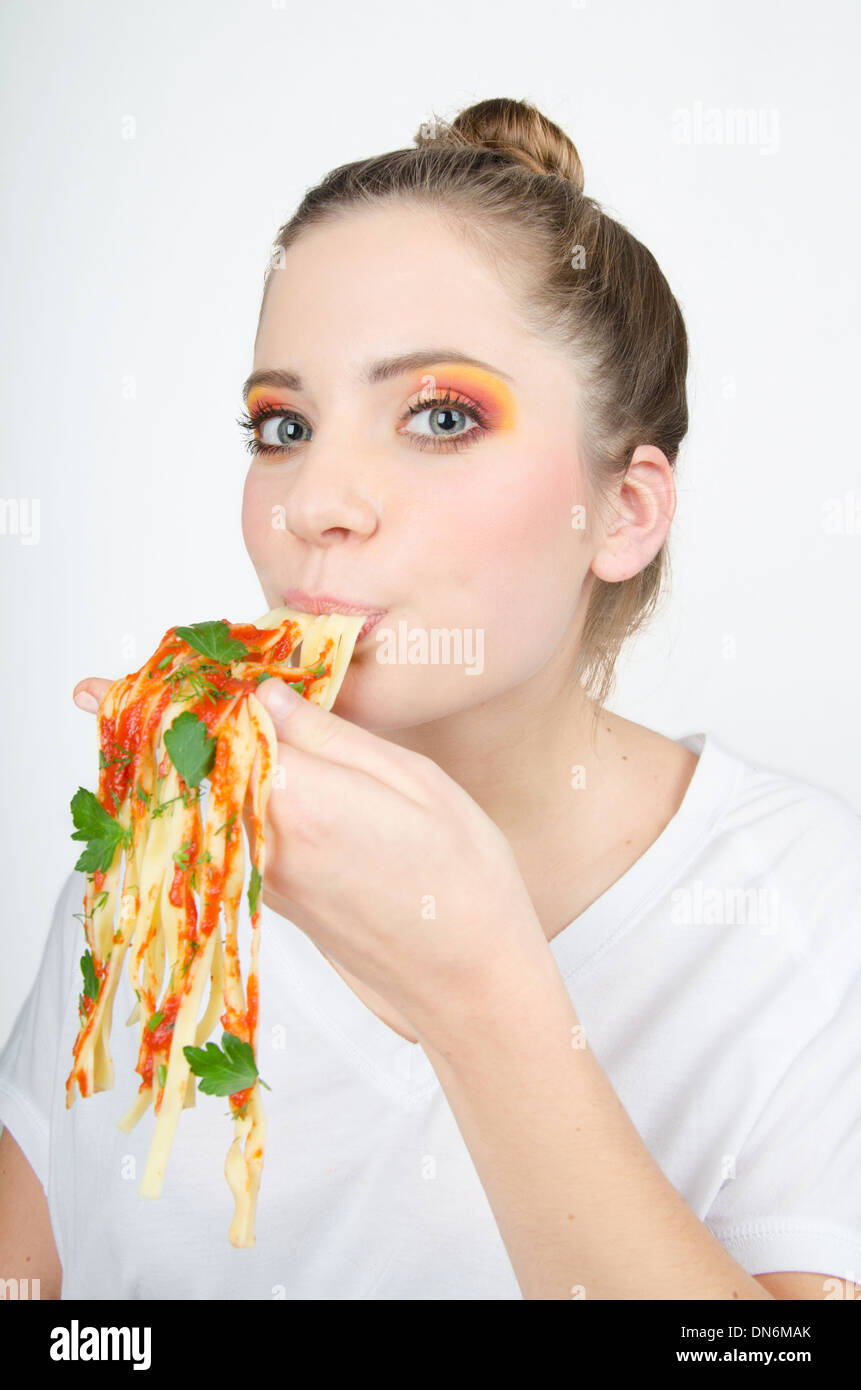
[(514, 128)]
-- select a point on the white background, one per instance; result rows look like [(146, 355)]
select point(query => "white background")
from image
[(132, 270)]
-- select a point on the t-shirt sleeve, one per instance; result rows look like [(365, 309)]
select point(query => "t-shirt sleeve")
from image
[(28, 1061), (794, 1201)]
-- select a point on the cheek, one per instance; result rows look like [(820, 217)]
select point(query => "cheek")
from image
[(257, 502), (511, 542)]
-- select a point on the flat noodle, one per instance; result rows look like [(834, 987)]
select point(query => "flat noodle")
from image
[(182, 878)]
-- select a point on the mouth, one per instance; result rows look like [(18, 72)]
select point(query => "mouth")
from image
[(331, 603)]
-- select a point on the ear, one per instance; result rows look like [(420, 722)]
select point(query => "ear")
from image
[(643, 507)]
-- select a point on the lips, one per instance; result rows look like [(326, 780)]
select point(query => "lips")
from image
[(332, 603)]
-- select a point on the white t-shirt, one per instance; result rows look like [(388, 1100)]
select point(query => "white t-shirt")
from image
[(718, 982)]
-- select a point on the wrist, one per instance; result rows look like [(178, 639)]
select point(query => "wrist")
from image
[(512, 998)]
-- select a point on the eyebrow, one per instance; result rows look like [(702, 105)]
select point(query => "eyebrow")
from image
[(383, 370)]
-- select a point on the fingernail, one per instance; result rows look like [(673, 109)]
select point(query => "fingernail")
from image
[(280, 698), (84, 700)]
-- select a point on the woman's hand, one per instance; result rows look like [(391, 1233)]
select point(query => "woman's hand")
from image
[(88, 694), (391, 868)]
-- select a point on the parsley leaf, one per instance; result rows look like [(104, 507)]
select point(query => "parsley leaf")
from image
[(91, 981), (254, 886), (102, 832), (224, 1073), (213, 639), (190, 748)]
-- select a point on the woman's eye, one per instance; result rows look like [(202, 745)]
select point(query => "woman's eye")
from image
[(278, 431), (442, 420)]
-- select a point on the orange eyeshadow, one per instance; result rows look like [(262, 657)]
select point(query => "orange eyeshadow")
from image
[(493, 395), (260, 397), (485, 389)]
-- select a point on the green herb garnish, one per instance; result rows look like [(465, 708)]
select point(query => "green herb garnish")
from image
[(213, 639), (254, 886), (190, 747), (91, 979), (102, 832), (223, 1073)]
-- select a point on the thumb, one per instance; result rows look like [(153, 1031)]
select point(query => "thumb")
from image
[(299, 723), (297, 720), (89, 693)]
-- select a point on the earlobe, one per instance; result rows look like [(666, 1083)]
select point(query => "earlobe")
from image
[(645, 506)]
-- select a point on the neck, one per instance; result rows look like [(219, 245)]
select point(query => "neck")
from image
[(530, 756)]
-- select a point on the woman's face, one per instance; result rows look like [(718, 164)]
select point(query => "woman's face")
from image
[(455, 518)]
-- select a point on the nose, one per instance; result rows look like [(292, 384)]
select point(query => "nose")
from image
[(327, 498)]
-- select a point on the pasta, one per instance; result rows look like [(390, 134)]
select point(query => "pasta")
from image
[(189, 713)]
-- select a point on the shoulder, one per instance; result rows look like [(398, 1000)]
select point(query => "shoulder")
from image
[(800, 843), (788, 816)]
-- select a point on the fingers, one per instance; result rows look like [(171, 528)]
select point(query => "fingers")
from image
[(89, 693), (302, 725)]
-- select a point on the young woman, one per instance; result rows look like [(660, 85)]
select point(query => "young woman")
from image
[(552, 1006)]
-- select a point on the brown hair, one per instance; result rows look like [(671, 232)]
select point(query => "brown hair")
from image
[(510, 183)]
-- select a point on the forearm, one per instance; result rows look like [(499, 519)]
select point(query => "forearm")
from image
[(581, 1205)]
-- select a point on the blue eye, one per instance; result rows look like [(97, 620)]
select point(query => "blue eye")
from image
[(442, 420), (272, 431), (442, 424), (275, 430)]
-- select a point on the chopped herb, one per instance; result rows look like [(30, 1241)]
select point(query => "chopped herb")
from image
[(180, 856), (162, 1073), (228, 824), (204, 858), (102, 832), (297, 685), (165, 661), (155, 1020), (213, 639), (223, 1073), (142, 795), (265, 676), (91, 979), (188, 798), (190, 748), (200, 687), (194, 948), (124, 756), (99, 902), (254, 887)]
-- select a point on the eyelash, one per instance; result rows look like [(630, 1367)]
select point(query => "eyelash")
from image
[(256, 447)]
